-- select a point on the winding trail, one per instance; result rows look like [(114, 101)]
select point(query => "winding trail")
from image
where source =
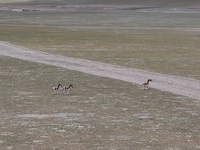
[(177, 85)]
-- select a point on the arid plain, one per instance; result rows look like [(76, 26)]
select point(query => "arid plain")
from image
[(99, 112)]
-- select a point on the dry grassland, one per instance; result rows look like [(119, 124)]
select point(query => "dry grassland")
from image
[(165, 51), (99, 113)]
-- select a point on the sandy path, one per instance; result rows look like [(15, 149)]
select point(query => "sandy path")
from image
[(177, 85)]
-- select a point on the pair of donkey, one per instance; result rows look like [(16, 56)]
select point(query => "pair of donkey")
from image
[(61, 89)]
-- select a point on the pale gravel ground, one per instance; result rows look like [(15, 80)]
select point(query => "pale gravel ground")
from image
[(177, 85)]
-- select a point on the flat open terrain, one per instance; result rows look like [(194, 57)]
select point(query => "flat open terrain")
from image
[(101, 112), (177, 85)]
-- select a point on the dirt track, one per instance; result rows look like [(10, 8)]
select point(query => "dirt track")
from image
[(177, 85)]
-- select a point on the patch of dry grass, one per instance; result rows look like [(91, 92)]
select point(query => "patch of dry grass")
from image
[(98, 113), (168, 52)]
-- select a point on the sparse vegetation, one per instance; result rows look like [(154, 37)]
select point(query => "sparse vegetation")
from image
[(99, 113)]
